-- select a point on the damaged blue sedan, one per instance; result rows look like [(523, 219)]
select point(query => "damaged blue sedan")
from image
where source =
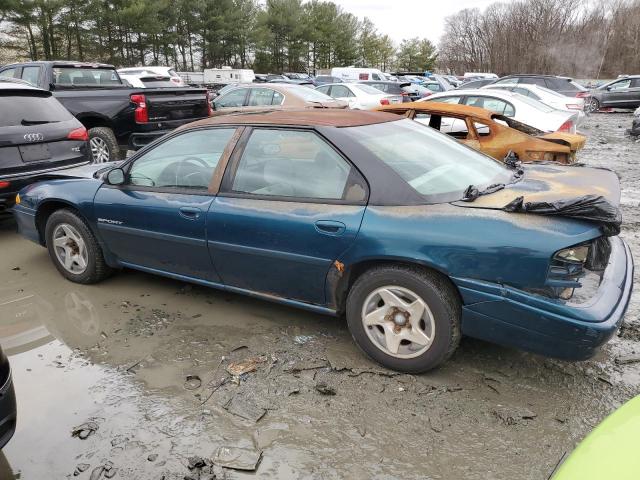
[(415, 237)]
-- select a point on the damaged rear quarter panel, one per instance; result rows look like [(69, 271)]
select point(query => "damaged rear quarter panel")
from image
[(494, 246)]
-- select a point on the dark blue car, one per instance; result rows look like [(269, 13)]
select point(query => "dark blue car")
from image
[(362, 213)]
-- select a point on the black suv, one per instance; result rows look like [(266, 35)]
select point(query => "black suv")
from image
[(38, 136), (564, 85)]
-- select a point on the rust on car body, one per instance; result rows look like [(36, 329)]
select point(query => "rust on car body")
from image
[(487, 133)]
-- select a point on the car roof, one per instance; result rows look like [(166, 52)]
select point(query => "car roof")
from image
[(516, 75), (441, 107), (62, 63), (17, 84), (300, 117)]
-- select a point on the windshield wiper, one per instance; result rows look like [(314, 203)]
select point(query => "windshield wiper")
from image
[(472, 192), (26, 122)]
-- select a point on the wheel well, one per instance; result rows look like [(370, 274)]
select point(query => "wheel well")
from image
[(43, 214), (91, 122), (353, 272)]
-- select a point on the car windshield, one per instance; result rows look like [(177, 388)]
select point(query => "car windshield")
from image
[(310, 95), (432, 163)]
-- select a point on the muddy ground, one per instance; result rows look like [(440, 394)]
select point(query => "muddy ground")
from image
[(145, 358)]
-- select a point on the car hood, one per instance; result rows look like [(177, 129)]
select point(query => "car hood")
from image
[(84, 171), (574, 141), (590, 194), (552, 182)]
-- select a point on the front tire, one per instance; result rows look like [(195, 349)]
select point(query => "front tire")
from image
[(405, 318), (103, 144), (73, 248)]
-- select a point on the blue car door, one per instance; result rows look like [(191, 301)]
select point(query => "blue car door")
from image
[(156, 219), (289, 206)]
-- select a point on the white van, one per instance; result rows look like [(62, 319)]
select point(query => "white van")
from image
[(353, 74), (226, 75)]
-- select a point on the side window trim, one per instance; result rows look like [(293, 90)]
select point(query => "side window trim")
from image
[(216, 178), (226, 185)]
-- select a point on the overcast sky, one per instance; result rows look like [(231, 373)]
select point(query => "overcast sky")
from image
[(410, 18)]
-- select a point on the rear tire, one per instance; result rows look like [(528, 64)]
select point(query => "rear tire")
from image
[(73, 248), (594, 105), (405, 318), (103, 145)]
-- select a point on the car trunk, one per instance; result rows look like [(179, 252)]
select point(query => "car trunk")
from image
[(34, 135), (168, 104)]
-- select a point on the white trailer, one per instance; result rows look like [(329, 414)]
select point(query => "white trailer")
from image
[(227, 75)]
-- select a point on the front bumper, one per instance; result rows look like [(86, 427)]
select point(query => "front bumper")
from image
[(26, 220), (512, 317), (7, 411)]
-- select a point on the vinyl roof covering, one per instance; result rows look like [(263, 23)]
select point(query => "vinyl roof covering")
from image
[(321, 117)]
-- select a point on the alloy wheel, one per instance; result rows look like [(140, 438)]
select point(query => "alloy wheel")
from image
[(99, 150), (398, 322), (70, 248)]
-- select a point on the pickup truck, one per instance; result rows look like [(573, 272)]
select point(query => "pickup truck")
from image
[(117, 116)]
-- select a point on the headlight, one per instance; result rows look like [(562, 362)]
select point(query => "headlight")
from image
[(578, 254), (540, 156)]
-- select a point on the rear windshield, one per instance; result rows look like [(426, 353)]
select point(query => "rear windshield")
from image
[(309, 94), (535, 104), (369, 89), (85, 76), (433, 164), (157, 82), (28, 110)]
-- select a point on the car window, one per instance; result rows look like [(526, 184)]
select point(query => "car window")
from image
[(31, 109), (454, 127), (434, 87), (482, 129), (635, 83), (532, 81), (234, 98), (264, 96), (622, 84), (493, 104), (340, 91), (430, 163), (287, 163), (506, 81), (186, 161), (324, 89), (375, 76), (9, 73), (31, 75), (308, 94)]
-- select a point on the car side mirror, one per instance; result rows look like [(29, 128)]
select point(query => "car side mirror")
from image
[(115, 176), (608, 89)]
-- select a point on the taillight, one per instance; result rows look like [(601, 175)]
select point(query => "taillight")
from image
[(175, 80), (582, 94), (79, 134), (209, 109), (566, 126), (384, 101), (141, 114), (4, 184)]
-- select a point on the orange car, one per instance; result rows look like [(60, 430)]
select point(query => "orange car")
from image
[(492, 133)]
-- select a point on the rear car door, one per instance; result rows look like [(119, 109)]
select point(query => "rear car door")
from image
[(290, 205), (156, 220)]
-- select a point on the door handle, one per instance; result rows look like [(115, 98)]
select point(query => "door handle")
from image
[(190, 213), (330, 227)]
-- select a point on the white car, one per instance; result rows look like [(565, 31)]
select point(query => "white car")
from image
[(175, 79), (544, 95), (358, 96), (513, 105)]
